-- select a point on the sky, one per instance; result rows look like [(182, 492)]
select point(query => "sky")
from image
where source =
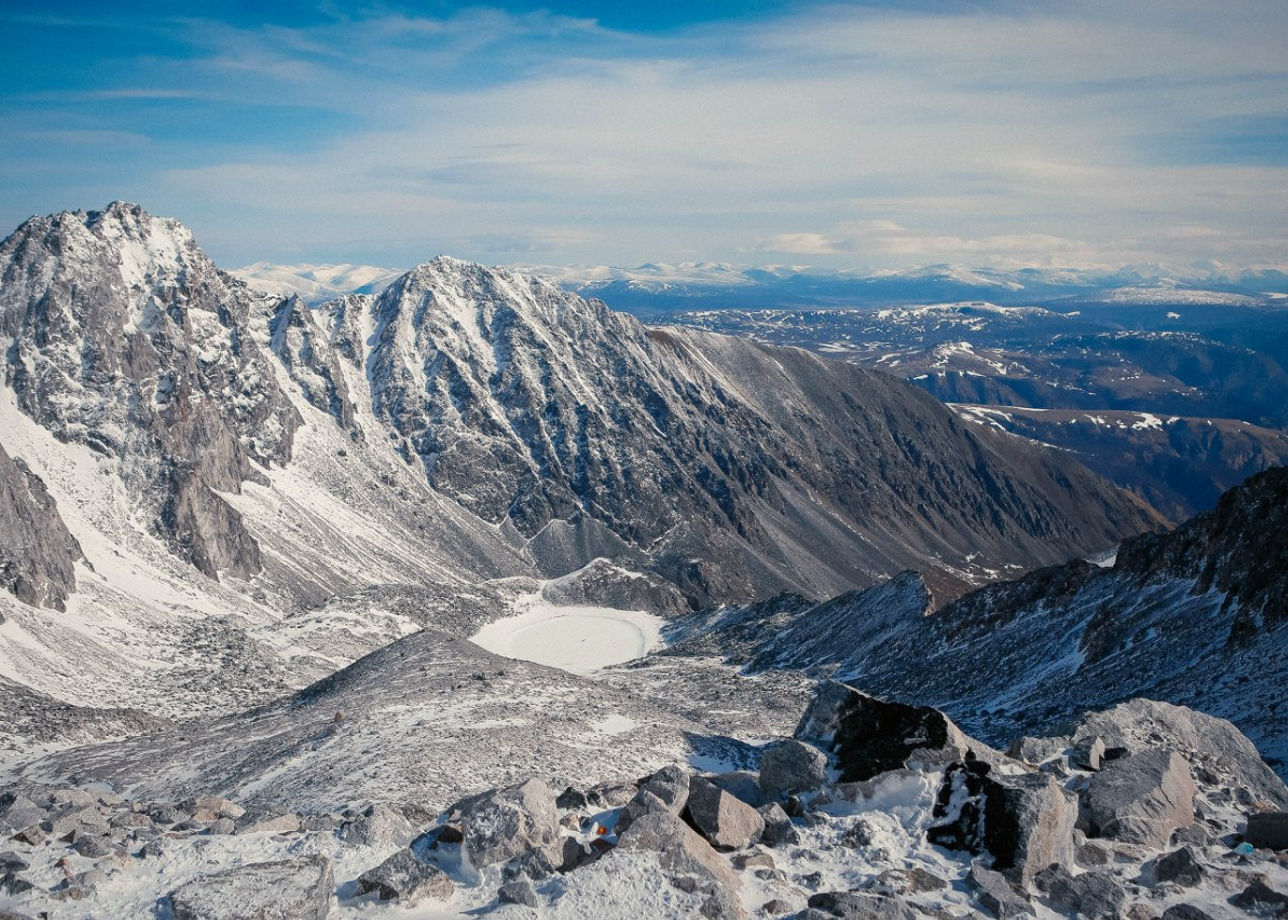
[(993, 133)]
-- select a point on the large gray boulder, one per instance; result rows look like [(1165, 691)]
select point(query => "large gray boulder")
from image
[(791, 766), (1093, 895), (671, 785), (727, 822), (501, 824), (288, 889), (997, 895), (18, 812), (688, 861), (779, 829), (380, 827), (1028, 824), (868, 736), (404, 878), (1141, 725), (1141, 799), (1180, 867)]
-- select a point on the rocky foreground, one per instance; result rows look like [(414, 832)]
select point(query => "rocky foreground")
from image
[(872, 810)]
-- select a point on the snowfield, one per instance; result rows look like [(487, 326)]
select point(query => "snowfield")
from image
[(579, 640)]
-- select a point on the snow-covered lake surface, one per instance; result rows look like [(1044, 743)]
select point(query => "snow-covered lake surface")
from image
[(575, 639)]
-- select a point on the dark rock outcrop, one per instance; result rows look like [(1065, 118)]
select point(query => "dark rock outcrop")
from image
[(868, 736), (37, 553)]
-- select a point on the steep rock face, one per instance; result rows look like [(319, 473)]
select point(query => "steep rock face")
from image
[(122, 335), (305, 350), (1236, 549), (37, 554), (735, 467)]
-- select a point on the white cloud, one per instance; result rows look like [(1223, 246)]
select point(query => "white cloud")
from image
[(856, 136)]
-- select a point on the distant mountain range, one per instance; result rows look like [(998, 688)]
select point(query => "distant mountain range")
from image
[(1176, 403), (656, 289)]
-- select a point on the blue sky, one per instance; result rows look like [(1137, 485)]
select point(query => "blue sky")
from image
[(1006, 133)]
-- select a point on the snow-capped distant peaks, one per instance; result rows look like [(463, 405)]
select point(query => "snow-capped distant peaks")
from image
[(315, 283)]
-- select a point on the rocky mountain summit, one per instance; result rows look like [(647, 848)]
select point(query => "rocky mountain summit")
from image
[(871, 809)]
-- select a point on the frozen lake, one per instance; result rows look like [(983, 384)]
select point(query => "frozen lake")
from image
[(575, 639)]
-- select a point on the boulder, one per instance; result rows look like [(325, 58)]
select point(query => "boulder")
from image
[(13, 883), (1028, 824), (92, 847), (742, 785), (18, 812), (534, 865), (996, 894), (1138, 726), (1037, 750), (215, 806), (75, 819), (756, 860), (611, 795), (1260, 898), (1088, 752), (520, 891), (267, 822), (779, 829), (1185, 912), (726, 822), (1093, 895), (1141, 798), (1268, 830), (789, 767), (687, 859), (857, 905), (289, 889), (868, 736), (405, 879), (1180, 867), (671, 785), (572, 799), (504, 823), (380, 827)]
